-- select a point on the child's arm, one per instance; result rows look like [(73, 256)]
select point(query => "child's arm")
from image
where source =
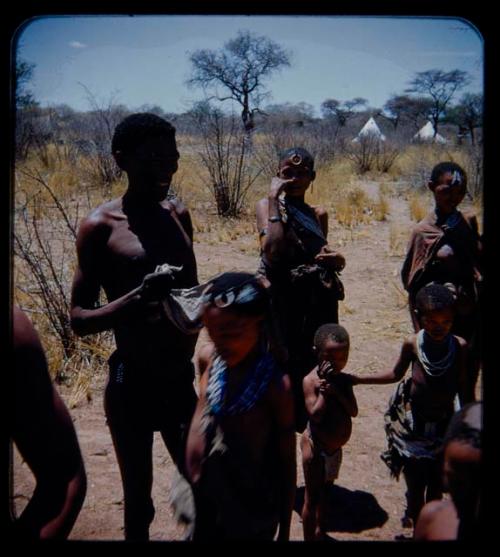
[(273, 241), (465, 392), (315, 401), (397, 373), (195, 444), (342, 391)]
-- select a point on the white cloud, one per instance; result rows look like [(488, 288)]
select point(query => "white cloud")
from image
[(77, 44)]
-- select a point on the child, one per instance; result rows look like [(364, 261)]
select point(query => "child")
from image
[(422, 405), (330, 405), (457, 518), (299, 264), (240, 455), (445, 247)]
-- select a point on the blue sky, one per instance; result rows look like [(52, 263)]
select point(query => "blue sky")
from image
[(144, 59)]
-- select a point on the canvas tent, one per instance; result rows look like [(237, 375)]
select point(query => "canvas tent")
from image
[(427, 134), (370, 129)]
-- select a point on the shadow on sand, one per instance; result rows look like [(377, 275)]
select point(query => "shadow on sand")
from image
[(348, 511)]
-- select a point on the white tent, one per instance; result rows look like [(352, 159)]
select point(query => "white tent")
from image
[(370, 129), (427, 134)]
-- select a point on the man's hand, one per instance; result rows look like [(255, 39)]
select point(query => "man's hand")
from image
[(330, 259), (157, 285)]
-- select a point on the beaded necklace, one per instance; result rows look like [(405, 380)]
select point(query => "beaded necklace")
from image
[(435, 368)]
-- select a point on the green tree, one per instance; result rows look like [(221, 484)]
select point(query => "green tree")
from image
[(468, 113), (237, 71), (440, 87)]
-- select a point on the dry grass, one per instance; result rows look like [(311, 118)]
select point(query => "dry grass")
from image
[(398, 238), (381, 208), (73, 182), (418, 205)]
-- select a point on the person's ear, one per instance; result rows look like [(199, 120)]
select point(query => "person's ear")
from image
[(313, 175)]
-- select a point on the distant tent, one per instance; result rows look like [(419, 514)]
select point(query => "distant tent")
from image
[(370, 129), (427, 134)]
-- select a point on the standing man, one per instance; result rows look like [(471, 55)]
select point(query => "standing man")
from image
[(120, 244)]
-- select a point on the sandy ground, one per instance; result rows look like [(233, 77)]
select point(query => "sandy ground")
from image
[(365, 503)]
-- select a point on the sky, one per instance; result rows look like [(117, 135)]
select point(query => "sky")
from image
[(145, 59)]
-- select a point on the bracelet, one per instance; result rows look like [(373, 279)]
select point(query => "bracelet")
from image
[(275, 218)]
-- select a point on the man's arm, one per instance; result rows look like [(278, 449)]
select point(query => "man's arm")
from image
[(46, 439), (395, 374), (86, 318), (282, 399)]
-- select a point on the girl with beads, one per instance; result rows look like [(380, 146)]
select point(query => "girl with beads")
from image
[(423, 403), (240, 455)]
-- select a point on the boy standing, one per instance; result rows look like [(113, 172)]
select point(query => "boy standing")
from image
[(445, 248), (330, 404)]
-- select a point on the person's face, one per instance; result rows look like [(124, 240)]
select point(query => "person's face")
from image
[(300, 177), (448, 193), (335, 354), (152, 166), (461, 475), (233, 334), (437, 323)]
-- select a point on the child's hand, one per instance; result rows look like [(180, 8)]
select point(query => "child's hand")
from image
[(326, 388), (277, 187), (330, 259)]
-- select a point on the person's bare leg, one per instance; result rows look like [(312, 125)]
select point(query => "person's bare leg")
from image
[(313, 477), (434, 485), (134, 454), (321, 512), (415, 492)]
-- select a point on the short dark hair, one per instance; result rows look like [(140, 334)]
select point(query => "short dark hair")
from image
[(434, 297), (330, 331), (466, 426), (226, 287), (304, 155), (134, 129), (444, 167)]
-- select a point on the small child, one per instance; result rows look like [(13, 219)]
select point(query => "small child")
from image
[(330, 405), (457, 518), (422, 405), (445, 247)]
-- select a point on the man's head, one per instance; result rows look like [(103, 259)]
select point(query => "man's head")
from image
[(297, 165), (235, 306), (435, 309), (331, 344), (448, 183), (462, 458), (144, 146)]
